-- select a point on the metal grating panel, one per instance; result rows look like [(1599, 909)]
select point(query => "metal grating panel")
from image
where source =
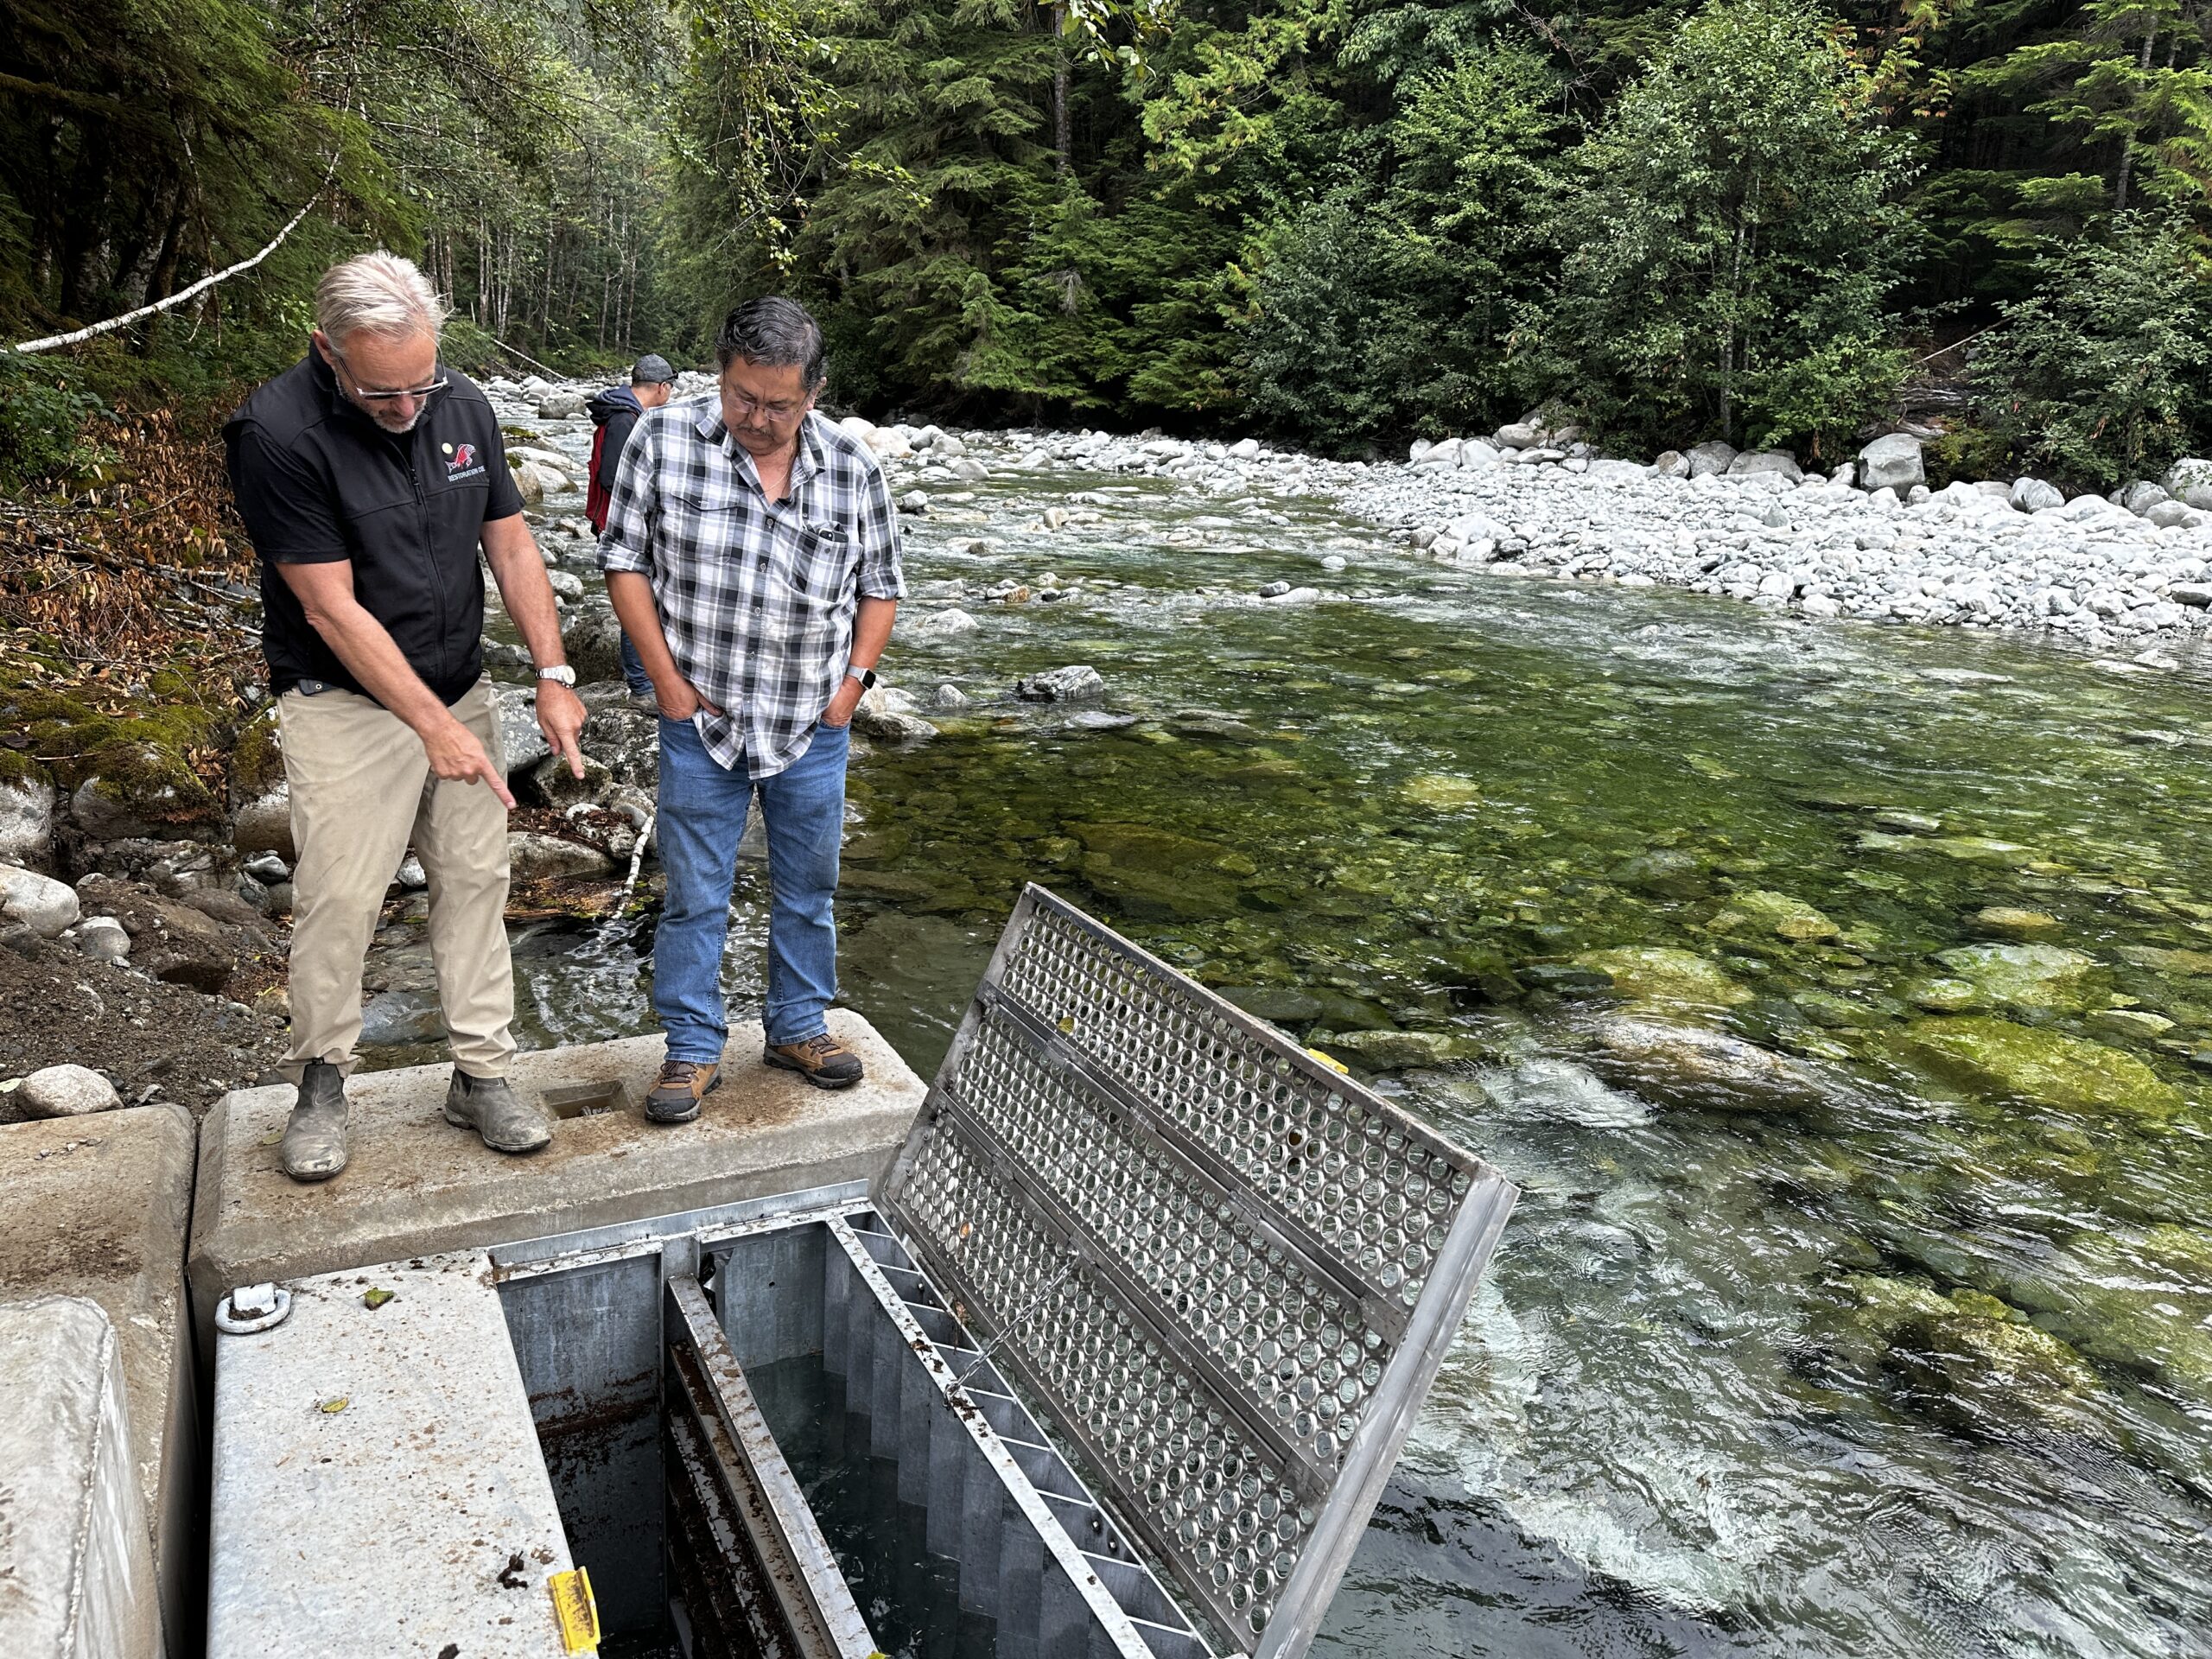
[(1228, 1272)]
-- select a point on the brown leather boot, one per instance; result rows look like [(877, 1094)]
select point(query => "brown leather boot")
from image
[(823, 1061), (679, 1088)]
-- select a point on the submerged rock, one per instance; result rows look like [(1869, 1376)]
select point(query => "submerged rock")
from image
[(2045, 1067), (1658, 973), (2046, 978), (1442, 792), (1686, 1065), (2016, 922), (1779, 914), (2140, 1297)]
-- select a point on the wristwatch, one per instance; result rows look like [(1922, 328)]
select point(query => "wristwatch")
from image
[(865, 676), (560, 674)]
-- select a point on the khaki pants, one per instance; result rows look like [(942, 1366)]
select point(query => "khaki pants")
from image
[(361, 788)]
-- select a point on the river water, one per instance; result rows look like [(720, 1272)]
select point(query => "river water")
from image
[(1860, 1298)]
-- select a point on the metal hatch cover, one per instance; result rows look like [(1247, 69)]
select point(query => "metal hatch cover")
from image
[(1228, 1273)]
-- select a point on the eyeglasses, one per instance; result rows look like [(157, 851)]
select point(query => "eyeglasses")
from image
[(421, 394), (748, 408)]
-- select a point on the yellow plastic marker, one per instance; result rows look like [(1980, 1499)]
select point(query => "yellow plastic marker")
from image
[(578, 1612), (1330, 1061)]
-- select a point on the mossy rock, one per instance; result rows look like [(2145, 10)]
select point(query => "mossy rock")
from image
[(1779, 914), (1441, 792), (2044, 1067), (2183, 965), (1660, 973), (1159, 852), (257, 757), (139, 765), (2138, 1297), (2043, 978)]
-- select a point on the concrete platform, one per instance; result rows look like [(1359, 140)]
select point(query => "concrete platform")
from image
[(99, 1207), (416, 1186), (378, 1491), (76, 1555)]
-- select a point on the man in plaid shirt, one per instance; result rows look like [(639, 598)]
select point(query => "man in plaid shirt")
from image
[(752, 553)]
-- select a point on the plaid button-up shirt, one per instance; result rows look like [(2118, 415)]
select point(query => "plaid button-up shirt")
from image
[(757, 598)]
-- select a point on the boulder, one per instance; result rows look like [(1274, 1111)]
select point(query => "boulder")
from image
[(859, 430), (2189, 480), (38, 902), (1445, 453), (1673, 1064), (1672, 464), (592, 640), (1520, 435), (1892, 463), (890, 715), (26, 820), (1244, 450), (1780, 462), (547, 781), (1781, 915), (1714, 456), (1079, 683), (2174, 515), (946, 622), (522, 742), (102, 812), (535, 857), (2140, 496), (560, 405), (2044, 1067), (264, 824), (1664, 974), (1479, 451), (103, 938), (66, 1091), (2033, 495), (2045, 978)]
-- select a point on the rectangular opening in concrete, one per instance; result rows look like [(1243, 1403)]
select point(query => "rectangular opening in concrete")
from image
[(782, 1441)]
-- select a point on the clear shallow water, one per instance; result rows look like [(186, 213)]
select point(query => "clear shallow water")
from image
[(1833, 1332)]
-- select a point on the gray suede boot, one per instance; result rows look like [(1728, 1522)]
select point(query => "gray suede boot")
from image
[(313, 1146), (489, 1106)]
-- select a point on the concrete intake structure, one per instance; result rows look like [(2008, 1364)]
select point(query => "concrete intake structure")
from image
[(1113, 1361)]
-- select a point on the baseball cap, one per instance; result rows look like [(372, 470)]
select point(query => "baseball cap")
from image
[(652, 371)]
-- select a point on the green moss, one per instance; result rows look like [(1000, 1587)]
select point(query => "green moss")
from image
[(258, 758), (2045, 1067), (1664, 974), (142, 758)]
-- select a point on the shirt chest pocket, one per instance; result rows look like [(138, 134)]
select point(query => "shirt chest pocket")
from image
[(824, 565)]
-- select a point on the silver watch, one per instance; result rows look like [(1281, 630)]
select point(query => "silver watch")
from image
[(560, 674)]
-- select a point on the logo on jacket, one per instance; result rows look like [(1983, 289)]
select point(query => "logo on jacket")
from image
[(462, 463)]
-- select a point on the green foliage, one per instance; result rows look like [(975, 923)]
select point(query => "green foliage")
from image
[(45, 424), (2100, 375), (1731, 235)]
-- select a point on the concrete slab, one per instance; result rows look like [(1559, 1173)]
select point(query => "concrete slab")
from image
[(416, 1186), (99, 1207), (76, 1555), (378, 1485)]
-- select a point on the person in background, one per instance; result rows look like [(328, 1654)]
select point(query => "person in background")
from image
[(615, 413), (752, 551), (368, 474)]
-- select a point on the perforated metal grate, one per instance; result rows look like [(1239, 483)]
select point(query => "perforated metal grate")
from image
[(1228, 1272)]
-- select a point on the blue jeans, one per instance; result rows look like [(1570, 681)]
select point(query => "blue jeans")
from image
[(702, 810), (633, 670)]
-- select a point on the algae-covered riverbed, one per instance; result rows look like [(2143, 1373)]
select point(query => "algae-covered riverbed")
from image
[(1838, 996)]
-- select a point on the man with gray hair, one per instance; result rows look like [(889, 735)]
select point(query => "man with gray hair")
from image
[(752, 551), (368, 474)]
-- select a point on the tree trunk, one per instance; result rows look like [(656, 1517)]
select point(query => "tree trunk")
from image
[(1062, 135), (2126, 144)]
